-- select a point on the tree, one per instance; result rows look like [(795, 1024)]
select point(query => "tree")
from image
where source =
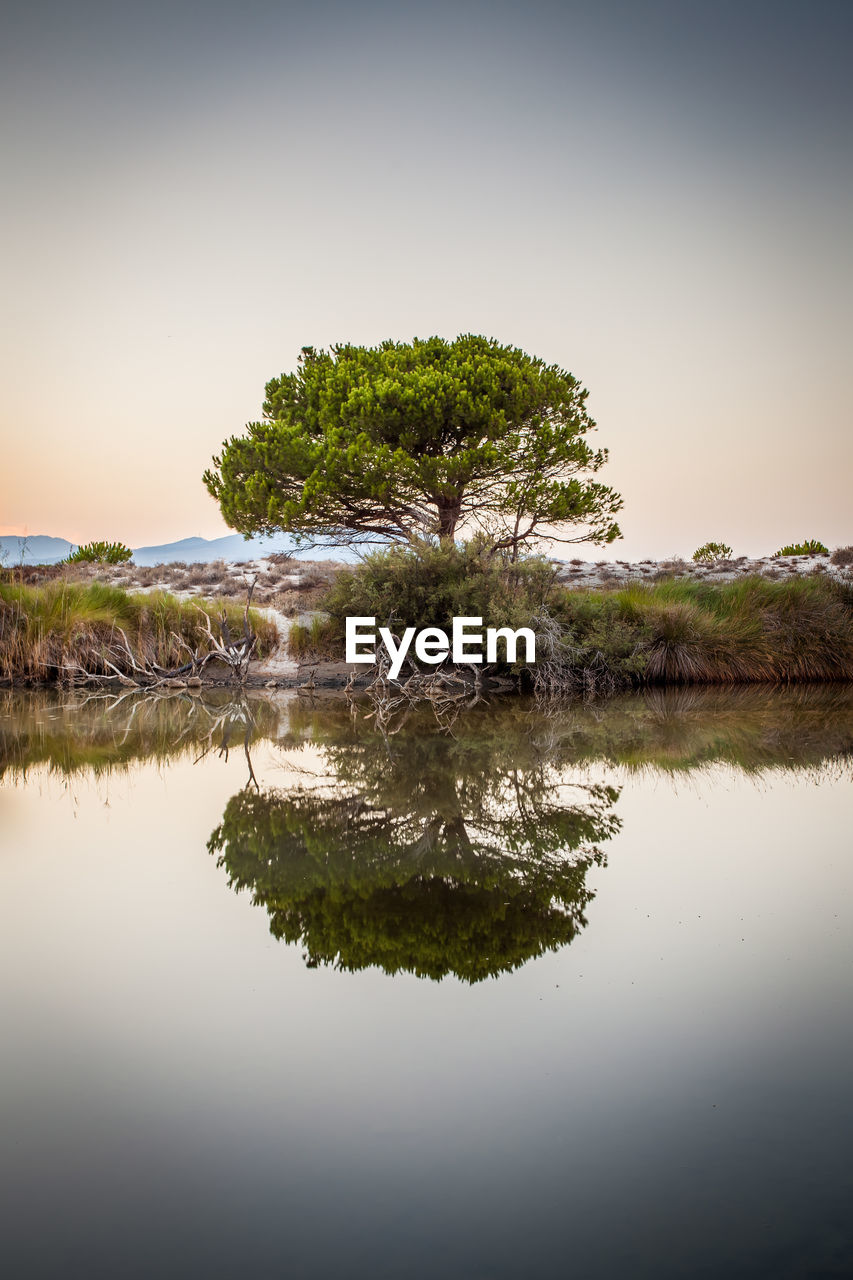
[(417, 441)]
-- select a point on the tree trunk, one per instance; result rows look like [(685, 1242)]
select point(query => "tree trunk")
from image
[(448, 516)]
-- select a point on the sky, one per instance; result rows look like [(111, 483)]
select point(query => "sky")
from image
[(655, 196)]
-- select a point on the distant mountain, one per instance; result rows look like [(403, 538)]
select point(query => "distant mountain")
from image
[(40, 549), (230, 548)]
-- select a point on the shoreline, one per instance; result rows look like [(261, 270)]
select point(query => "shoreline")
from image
[(772, 621)]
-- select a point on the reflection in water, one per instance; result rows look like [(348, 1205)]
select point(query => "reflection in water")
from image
[(425, 851), (753, 727), (668, 1097), (467, 853), (431, 854), (106, 731)]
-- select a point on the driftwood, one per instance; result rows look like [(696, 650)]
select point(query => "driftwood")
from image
[(561, 672), (564, 671), (448, 689), (129, 669)]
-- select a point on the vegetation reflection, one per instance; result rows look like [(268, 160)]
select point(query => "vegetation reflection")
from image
[(422, 851), (752, 727), (429, 853)]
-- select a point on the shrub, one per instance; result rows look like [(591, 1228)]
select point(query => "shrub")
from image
[(711, 552), (682, 630), (432, 585), (808, 548), (842, 556), (100, 553)]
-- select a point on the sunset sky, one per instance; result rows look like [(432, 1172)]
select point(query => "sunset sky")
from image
[(655, 196)]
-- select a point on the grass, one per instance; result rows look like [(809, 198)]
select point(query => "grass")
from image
[(290, 586), (685, 631), (319, 641), (678, 631), (44, 628)]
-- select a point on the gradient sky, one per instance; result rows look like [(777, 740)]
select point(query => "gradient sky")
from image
[(655, 196)]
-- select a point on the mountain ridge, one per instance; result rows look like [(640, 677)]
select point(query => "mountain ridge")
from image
[(44, 549)]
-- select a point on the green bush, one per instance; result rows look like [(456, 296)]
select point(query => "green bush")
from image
[(808, 548), (711, 552), (680, 631), (430, 586), (100, 553)]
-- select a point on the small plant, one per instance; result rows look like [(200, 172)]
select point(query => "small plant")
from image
[(100, 553), (842, 556), (317, 640), (809, 548), (710, 552)]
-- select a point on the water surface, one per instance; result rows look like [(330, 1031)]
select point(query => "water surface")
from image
[(534, 995)]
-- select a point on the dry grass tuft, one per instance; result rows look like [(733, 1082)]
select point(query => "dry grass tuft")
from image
[(318, 642), (684, 632), (45, 630)]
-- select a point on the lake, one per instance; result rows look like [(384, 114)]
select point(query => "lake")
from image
[(519, 995)]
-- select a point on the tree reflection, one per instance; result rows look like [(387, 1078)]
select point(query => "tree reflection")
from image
[(429, 853)]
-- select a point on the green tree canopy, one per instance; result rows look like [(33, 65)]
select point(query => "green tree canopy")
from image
[(418, 440)]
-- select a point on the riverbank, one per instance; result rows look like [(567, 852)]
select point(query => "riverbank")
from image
[(65, 632), (687, 625), (678, 629)]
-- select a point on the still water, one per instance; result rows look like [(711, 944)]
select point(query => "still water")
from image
[(524, 996)]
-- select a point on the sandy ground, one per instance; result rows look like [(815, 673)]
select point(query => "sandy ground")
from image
[(586, 573), (283, 586), (293, 588), (278, 665)]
